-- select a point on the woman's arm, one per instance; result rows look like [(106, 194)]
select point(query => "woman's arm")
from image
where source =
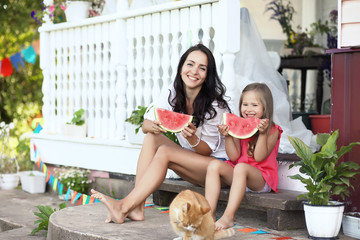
[(195, 142)]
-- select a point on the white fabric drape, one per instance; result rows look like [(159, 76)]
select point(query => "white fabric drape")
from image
[(253, 64)]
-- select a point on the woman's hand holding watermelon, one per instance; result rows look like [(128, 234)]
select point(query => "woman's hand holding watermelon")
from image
[(156, 127), (189, 133)]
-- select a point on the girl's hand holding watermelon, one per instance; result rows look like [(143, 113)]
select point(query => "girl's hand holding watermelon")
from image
[(223, 130), (263, 125)]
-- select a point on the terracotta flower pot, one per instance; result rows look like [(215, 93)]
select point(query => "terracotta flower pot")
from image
[(320, 123)]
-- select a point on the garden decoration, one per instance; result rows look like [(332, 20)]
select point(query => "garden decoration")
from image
[(9, 167)]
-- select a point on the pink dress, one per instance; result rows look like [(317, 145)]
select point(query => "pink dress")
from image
[(268, 167)]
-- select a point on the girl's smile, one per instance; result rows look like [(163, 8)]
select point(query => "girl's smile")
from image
[(251, 105)]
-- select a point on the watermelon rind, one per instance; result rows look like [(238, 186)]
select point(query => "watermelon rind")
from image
[(172, 119), (235, 132)]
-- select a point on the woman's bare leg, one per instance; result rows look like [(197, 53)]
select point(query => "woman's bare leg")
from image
[(187, 163), (150, 146), (244, 175), (216, 171)]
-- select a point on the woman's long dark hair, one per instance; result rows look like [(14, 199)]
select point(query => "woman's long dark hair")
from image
[(212, 89)]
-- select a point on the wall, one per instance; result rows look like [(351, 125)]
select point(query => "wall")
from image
[(273, 36)]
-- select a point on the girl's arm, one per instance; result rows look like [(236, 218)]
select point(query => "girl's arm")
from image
[(266, 141), (232, 145)]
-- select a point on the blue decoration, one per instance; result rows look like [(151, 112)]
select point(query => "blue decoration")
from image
[(29, 55), (16, 59)]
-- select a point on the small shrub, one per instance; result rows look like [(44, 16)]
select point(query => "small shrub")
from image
[(44, 216)]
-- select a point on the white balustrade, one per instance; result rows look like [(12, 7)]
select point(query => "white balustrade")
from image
[(111, 64)]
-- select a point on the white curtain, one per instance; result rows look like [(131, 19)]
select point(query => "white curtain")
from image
[(253, 64)]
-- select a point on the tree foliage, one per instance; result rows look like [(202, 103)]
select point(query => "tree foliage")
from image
[(20, 93), (22, 89)]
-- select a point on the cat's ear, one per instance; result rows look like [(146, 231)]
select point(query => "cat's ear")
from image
[(186, 207), (205, 210)]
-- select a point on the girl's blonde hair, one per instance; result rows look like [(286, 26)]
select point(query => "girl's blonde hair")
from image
[(266, 100)]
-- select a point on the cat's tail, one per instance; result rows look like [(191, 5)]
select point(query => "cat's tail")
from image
[(223, 233)]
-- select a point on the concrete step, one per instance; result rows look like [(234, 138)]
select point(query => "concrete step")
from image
[(87, 222)]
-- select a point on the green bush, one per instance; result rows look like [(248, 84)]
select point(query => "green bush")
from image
[(44, 216)]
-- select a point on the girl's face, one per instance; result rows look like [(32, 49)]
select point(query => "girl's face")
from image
[(194, 70), (251, 105)]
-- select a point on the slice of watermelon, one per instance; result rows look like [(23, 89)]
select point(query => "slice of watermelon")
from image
[(240, 127), (172, 121)]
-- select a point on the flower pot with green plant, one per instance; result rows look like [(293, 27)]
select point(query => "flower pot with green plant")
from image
[(33, 181), (77, 126), (135, 122), (58, 11), (9, 167), (324, 176)]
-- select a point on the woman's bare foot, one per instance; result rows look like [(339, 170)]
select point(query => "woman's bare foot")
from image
[(137, 214), (223, 223), (116, 213)]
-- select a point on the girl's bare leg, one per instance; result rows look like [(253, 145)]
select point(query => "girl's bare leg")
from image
[(216, 171), (185, 162), (244, 175)]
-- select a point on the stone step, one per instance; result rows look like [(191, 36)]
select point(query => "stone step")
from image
[(284, 210)]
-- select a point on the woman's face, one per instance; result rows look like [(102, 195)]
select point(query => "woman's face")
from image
[(194, 70), (251, 105)]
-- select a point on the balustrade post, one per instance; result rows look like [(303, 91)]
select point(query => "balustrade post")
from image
[(229, 43), (120, 44), (45, 66)]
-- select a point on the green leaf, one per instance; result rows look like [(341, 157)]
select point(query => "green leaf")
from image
[(62, 205), (303, 151), (322, 138), (330, 145), (346, 149)]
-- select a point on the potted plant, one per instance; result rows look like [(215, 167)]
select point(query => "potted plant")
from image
[(76, 10), (9, 168), (77, 126), (62, 10), (134, 123), (33, 181), (351, 224), (283, 11), (326, 177)]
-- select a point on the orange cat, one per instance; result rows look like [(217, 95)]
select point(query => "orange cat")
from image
[(191, 218)]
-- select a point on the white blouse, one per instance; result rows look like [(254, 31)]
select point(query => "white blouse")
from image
[(207, 132)]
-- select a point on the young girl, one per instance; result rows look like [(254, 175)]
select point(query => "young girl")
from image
[(252, 165), (198, 91)]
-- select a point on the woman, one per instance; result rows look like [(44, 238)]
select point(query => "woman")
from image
[(198, 91)]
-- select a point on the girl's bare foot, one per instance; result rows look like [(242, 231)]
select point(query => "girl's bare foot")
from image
[(116, 213), (224, 223)]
